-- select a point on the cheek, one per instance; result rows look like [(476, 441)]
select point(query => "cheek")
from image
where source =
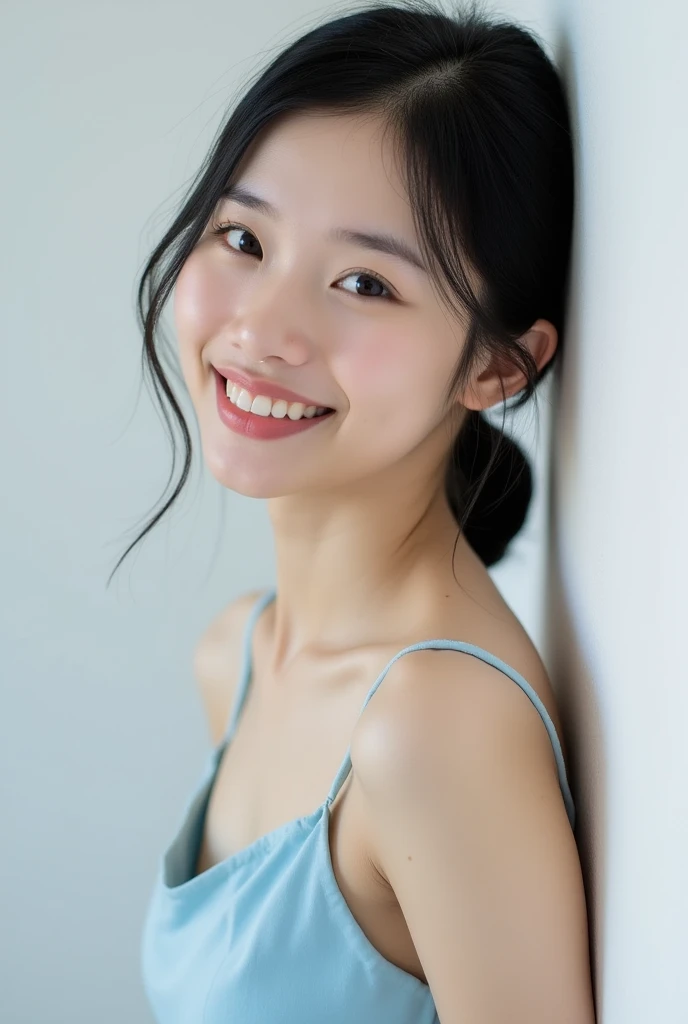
[(199, 303), (393, 377)]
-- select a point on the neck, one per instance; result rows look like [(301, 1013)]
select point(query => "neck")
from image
[(352, 567)]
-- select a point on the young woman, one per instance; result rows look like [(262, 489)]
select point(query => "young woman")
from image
[(375, 252)]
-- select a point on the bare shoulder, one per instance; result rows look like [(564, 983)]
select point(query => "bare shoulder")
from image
[(466, 824), (216, 660), (433, 691), (434, 699)]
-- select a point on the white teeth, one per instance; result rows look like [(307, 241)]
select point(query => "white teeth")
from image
[(244, 400), (296, 410), (261, 405)]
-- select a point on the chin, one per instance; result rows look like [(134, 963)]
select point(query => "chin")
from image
[(241, 480)]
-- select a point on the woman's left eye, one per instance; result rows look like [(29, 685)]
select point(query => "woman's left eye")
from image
[(364, 292)]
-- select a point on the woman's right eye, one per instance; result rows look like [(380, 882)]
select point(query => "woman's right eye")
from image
[(237, 231)]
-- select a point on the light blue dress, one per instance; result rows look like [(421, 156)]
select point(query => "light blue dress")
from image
[(265, 936)]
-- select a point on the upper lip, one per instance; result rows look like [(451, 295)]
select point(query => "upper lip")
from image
[(261, 386)]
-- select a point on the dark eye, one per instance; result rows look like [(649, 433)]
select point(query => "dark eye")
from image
[(372, 288), (238, 232), (370, 283)]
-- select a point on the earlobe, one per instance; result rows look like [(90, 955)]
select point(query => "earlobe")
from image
[(499, 379)]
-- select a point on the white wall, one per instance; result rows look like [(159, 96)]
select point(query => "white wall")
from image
[(107, 110), (617, 622)]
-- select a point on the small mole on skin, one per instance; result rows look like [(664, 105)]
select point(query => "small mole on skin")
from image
[(409, 857)]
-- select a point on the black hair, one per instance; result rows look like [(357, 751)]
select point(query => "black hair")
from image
[(480, 116)]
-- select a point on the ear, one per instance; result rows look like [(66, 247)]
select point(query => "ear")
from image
[(485, 388)]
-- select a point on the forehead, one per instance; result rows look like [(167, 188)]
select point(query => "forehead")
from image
[(328, 165)]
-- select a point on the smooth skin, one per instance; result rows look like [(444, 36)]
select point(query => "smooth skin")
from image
[(450, 840)]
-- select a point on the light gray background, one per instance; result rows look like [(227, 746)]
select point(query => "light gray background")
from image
[(108, 108)]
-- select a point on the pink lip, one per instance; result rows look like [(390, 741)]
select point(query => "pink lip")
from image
[(259, 428), (260, 386)]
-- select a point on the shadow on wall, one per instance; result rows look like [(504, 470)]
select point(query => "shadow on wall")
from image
[(577, 701), (567, 637)]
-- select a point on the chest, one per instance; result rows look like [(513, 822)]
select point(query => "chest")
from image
[(279, 766)]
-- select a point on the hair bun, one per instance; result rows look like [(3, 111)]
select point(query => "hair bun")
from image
[(491, 516)]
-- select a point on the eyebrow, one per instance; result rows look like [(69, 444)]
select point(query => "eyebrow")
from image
[(375, 241)]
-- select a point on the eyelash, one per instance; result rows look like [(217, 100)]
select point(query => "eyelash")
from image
[(223, 229)]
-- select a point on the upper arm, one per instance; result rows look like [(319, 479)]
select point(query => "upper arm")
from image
[(216, 662), (469, 827)]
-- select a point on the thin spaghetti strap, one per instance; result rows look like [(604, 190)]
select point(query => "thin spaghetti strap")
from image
[(491, 659), (246, 662)]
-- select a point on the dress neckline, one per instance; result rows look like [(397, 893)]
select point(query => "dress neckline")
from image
[(199, 804), (247, 853)]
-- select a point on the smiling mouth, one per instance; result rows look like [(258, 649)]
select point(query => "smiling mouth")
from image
[(270, 408), (265, 421)]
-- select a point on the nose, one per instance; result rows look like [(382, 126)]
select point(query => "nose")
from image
[(269, 319)]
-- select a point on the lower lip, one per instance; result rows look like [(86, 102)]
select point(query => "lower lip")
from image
[(262, 428)]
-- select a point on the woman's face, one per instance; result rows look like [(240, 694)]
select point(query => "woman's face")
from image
[(351, 328)]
